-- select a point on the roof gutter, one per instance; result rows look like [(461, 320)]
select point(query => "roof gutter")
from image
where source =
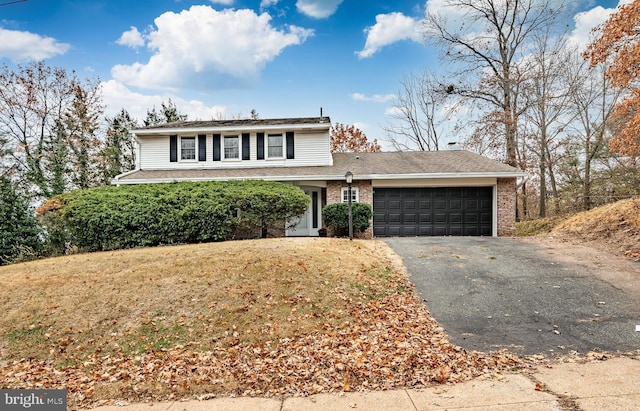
[(205, 130), (312, 177), (116, 180)]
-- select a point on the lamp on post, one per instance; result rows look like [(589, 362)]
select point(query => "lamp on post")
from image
[(349, 178)]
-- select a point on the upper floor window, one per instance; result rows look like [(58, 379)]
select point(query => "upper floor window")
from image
[(231, 147), (187, 148), (355, 194), (275, 146)]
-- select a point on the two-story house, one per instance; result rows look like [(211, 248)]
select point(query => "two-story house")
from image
[(453, 192)]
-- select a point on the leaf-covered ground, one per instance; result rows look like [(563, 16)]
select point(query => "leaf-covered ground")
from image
[(614, 228), (257, 318)]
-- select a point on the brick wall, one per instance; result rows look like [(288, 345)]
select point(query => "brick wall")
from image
[(334, 195), (506, 206)]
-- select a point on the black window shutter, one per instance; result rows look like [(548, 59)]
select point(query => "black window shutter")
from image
[(173, 149), (245, 146), (314, 209), (216, 147), (202, 147), (290, 148), (260, 146)]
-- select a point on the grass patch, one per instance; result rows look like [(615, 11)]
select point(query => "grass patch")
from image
[(17, 336), (538, 226), (374, 284), (154, 335), (208, 296)]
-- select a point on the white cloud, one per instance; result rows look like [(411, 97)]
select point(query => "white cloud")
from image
[(223, 2), (267, 3), (202, 47), (581, 36), (131, 38), (20, 46), (362, 127), (376, 98), (389, 28), (393, 111), (456, 19), (318, 9), (117, 96), (453, 16)]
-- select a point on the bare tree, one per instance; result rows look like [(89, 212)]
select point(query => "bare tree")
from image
[(548, 113), (593, 100), (419, 113), (33, 99), (487, 44)]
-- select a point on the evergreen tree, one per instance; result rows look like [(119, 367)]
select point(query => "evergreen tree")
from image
[(168, 114), (82, 121), (20, 233), (118, 155), (58, 165)]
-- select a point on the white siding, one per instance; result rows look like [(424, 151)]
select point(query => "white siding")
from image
[(310, 149), (154, 153)]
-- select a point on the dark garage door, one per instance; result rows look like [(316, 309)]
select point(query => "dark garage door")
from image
[(458, 211)]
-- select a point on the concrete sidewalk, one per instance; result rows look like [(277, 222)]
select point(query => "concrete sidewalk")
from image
[(613, 384)]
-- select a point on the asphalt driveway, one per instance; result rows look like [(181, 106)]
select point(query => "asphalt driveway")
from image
[(497, 293)]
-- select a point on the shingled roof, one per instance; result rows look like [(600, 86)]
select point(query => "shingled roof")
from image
[(419, 162), (203, 126), (377, 166)]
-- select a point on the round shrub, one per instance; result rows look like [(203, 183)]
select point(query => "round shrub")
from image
[(336, 217)]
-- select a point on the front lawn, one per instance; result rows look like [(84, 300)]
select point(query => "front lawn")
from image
[(263, 317)]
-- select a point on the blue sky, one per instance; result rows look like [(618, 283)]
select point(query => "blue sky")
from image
[(221, 59)]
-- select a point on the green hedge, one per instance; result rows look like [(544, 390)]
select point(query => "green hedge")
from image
[(108, 218), (336, 217)]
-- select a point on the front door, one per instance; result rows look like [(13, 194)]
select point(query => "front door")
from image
[(308, 224)]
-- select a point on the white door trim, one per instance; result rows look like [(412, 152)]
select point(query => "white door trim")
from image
[(305, 228)]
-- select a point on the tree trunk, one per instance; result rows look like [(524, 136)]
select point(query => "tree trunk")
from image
[(525, 207), (586, 192), (552, 179), (542, 205)]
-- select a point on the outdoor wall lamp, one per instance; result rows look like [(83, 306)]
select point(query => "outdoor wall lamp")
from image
[(349, 178)]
